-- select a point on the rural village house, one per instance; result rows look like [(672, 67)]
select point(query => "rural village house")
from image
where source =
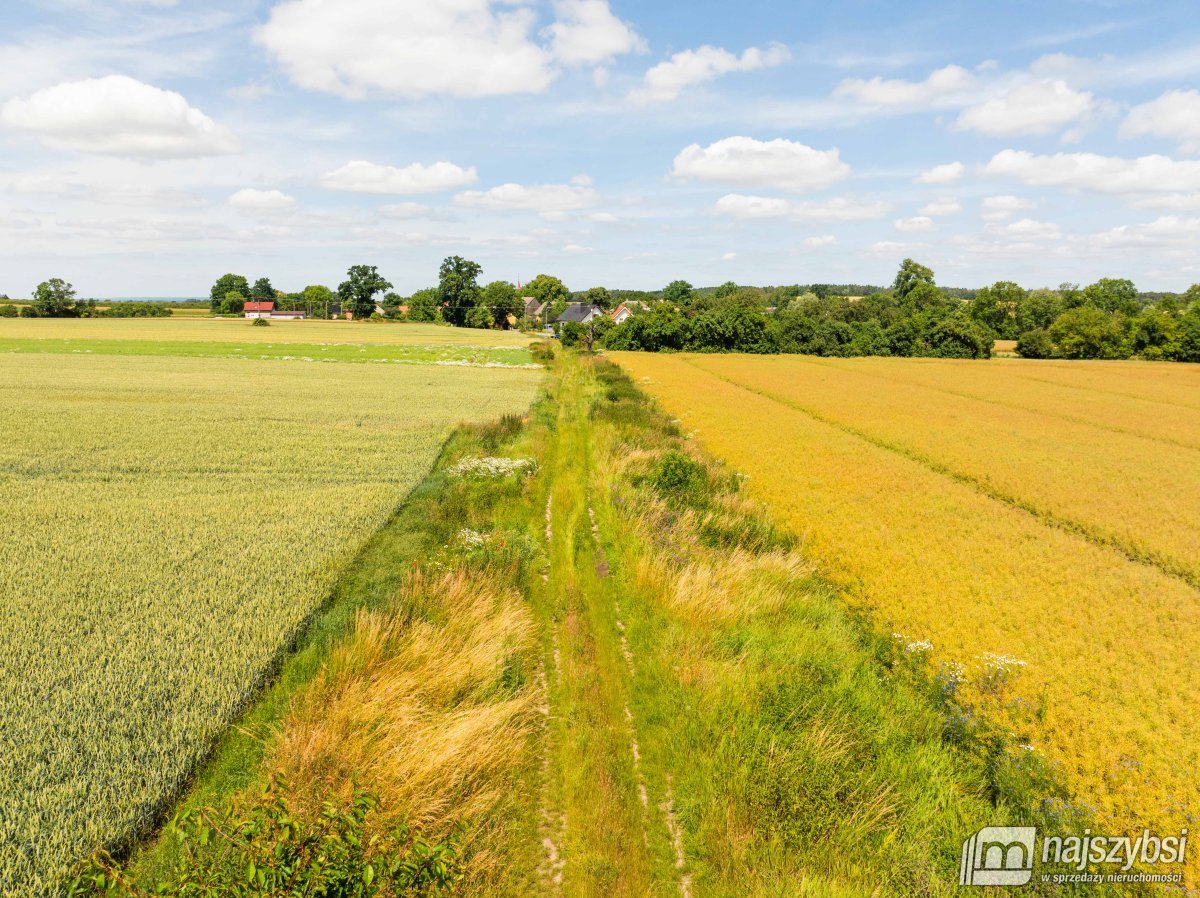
[(533, 308), (255, 309), (581, 312), (626, 310)]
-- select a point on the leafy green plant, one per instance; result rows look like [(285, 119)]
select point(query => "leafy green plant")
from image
[(680, 476), (261, 322), (273, 852)]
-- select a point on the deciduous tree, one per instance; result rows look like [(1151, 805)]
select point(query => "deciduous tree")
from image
[(262, 290), (458, 288), (317, 299), (226, 284), (54, 298), (502, 301), (678, 292), (359, 290), (909, 277), (548, 289)]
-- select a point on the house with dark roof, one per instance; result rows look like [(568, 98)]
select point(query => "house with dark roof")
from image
[(533, 308), (580, 312)]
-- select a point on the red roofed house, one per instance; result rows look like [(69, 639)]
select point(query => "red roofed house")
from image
[(256, 309)]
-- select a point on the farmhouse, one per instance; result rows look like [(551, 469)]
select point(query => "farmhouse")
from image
[(582, 312), (533, 308), (256, 309), (626, 310)]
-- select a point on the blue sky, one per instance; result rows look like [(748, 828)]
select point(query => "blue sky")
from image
[(148, 146)]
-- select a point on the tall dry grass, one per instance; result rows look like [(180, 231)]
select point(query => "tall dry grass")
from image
[(425, 706)]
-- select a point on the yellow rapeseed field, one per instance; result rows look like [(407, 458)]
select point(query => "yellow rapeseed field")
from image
[(168, 524), (994, 530)]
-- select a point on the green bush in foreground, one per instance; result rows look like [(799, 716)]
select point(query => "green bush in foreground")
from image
[(272, 852)]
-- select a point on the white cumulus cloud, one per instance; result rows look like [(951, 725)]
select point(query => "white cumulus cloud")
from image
[(1166, 232), (588, 33), (368, 177), (916, 224), (548, 200), (1099, 174), (949, 173), (744, 207), (667, 80), (1041, 107), (251, 200), (942, 207), (410, 48), (823, 240), (1028, 229), (118, 116), (998, 208), (746, 162), (888, 247), (405, 210), (944, 85), (1175, 116)]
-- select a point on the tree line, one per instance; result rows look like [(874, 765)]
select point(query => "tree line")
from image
[(1108, 319), (458, 299), (56, 298), (1105, 320)]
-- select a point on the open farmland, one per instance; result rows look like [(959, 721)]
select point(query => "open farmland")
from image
[(170, 524), (1045, 513), (241, 332)]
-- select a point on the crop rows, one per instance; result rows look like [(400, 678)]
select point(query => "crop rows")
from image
[(168, 526), (870, 471)]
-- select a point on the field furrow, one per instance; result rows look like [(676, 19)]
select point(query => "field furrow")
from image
[(1133, 493), (997, 382), (1106, 642)]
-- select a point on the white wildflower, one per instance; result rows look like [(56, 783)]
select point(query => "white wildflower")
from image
[(492, 467)]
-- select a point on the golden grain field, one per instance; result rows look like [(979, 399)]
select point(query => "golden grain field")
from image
[(1046, 512), (169, 523), (184, 328)]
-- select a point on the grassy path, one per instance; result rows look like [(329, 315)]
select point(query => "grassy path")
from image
[(716, 722), (602, 834), (664, 699)]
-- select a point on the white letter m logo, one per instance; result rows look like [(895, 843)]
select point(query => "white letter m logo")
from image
[(998, 856)]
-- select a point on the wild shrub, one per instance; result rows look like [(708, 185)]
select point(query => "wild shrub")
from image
[(542, 351), (261, 322), (494, 434), (269, 850), (679, 476)]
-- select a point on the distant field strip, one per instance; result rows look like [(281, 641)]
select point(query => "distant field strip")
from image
[(169, 523), (1109, 642), (224, 330), (379, 353), (1136, 494)]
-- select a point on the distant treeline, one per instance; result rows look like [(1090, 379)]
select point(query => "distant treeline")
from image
[(56, 298), (1109, 319)]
